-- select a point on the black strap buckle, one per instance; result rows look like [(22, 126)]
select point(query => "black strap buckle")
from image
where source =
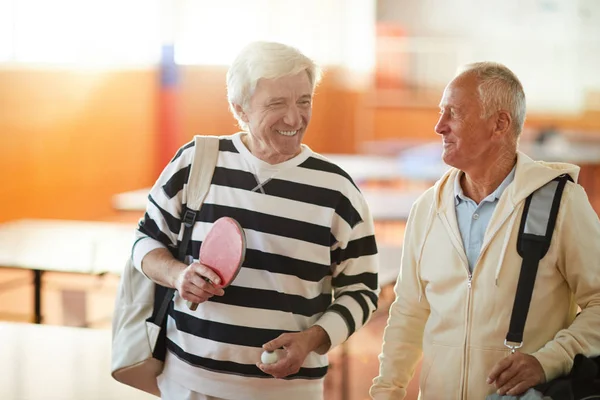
[(189, 218)]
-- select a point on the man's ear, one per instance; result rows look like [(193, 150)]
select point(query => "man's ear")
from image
[(240, 112), (503, 123)]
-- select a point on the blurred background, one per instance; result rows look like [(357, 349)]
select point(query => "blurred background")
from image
[(96, 96)]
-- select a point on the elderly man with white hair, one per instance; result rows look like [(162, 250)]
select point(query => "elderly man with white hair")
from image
[(460, 265), (309, 279)]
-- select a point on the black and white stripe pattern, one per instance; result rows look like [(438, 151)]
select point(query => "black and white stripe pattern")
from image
[(311, 251)]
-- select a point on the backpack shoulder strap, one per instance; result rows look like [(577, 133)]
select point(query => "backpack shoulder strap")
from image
[(202, 169), (201, 172), (539, 215), (535, 234)]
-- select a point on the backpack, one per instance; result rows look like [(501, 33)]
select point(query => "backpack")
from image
[(535, 233), (140, 313)]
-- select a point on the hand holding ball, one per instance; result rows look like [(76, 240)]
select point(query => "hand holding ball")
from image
[(269, 357)]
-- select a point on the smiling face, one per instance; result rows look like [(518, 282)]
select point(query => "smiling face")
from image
[(468, 138), (277, 116)]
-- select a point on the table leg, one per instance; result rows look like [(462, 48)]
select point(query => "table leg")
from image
[(345, 378), (37, 295)]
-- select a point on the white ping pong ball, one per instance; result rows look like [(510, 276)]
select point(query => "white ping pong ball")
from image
[(269, 357)]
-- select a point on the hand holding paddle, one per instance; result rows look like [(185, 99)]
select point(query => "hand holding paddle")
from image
[(223, 251), (195, 282)]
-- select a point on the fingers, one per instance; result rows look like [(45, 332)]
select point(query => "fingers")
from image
[(278, 343), (198, 282), (189, 296), (287, 365), (499, 368), (291, 358), (194, 283), (507, 378), (205, 272), (519, 389), (521, 372), (511, 387)]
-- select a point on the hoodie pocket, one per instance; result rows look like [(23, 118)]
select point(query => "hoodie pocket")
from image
[(481, 362), (441, 373)]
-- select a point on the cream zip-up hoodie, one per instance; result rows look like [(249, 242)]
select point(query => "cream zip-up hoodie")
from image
[(458, 321)]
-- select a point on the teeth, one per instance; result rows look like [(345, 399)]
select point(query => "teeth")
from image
[(287, 133)]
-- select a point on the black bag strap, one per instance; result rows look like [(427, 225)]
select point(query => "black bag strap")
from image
[(201, 171), (163, 295), (535, 234)]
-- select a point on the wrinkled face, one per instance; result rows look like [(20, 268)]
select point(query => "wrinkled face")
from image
[(278, 114), (467, 138)]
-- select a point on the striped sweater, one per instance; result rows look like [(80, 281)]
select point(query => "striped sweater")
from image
[(311, 259)]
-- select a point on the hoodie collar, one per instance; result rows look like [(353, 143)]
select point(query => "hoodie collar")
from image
[(529, 175), (459, 195)]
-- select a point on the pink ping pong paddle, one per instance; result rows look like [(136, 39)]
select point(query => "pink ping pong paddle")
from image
[(223, 250)]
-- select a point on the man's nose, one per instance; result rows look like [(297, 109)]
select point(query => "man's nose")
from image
[(292, 116), (441, 127)]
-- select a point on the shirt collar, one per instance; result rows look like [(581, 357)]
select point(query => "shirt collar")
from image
[(459, 195)]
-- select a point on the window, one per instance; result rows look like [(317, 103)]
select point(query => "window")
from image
[(105, 33), (206, 32), (333, 32)]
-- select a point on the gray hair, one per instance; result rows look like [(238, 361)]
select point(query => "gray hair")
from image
[(264, 60), (499, 88)]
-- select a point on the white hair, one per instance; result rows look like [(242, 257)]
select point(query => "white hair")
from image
[(499, 89), (264, 60)]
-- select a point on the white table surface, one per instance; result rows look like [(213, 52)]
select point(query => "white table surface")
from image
[(66, 246), (422, 163), (95, 247), (563, 151), (385, 204), (134, 200), (43, 362), (362, 167), (390, 204)]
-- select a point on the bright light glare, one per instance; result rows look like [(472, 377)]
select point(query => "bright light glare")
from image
[(6, 30), (109, 32), (333, 32)]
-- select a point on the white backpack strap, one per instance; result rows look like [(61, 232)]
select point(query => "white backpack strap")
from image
[(201, 172), (203, 167)]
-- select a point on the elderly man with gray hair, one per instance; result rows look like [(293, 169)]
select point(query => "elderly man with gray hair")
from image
[(309, 279), (460, 265)]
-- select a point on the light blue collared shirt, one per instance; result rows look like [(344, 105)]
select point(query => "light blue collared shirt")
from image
[(473, 219)]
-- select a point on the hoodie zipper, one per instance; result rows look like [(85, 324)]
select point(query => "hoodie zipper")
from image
[(458, 245), (467, 335)]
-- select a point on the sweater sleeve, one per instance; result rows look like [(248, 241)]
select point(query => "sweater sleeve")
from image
[(403, 335), (579, 262), (161, 224), (354, 271)]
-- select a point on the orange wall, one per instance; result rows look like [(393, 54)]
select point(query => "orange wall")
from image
[(419, 122), (69, 140)]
